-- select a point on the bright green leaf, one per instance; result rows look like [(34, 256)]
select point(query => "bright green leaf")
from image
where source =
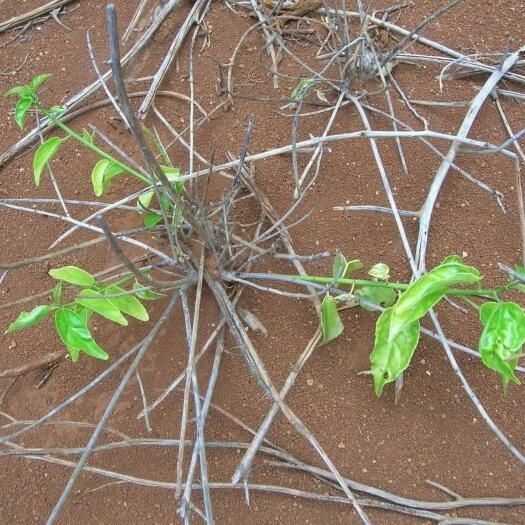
[(38, 81), (502, 338), (376, 295), (331, 323), (391, 355), (103, 172), (43, 155), (27, 319), (75, 335), (74, 353), (98, 303), (380, 271), (486, 311), (19, 91), (83, 312), (428, 290), (73, 275), (128, 304), (21, 109)]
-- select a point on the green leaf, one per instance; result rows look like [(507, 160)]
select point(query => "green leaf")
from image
[(346, 300), (83, 312), (173, 176), (502, 338), (486, 311), (27, 319), (391, 355), (144, 200), (380, 271), (341, 267), (353, 266), (38, 81), (302, 88), (428, 290), (146, 294), (76, 336), (451, 259), (102, 174), (151, 219), (331, 323), (377, 295), (73, 275), (22, 107), (128, 304), (43, 155), (520, 270), (55, 111), (98, 303), (88, 137), (57, 292), (19, 91)]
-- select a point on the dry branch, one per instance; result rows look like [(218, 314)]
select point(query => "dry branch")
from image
[(31, 15)]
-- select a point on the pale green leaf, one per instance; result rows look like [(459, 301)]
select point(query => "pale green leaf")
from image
[(27, 319), (144, 200), (20, 91), (127, 304), (98, 303), (376, 295), (73, 275), (103, 172), (38, 81), (428, 290), (43, 155), (331, 324), (380, 271), (391, 355), (173, 176)]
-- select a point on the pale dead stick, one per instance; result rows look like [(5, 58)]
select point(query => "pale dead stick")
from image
[(31, 15), (423, 40), (87, 91), (439, 178)]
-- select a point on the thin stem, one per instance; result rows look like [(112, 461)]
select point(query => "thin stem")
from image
[(491, 293), (95, 149)]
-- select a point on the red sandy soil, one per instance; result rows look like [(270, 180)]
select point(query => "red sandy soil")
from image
[(434, 433)]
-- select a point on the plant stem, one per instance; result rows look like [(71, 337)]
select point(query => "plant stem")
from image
[(95, 149), (491, 293)]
